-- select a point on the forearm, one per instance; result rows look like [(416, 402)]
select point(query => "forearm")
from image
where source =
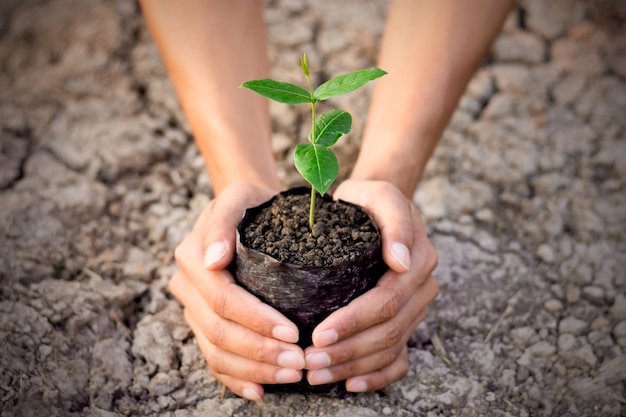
[(430, 51), (209, 48)]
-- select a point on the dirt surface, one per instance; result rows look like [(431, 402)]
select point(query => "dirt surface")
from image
[(341, 232), (524, 200)]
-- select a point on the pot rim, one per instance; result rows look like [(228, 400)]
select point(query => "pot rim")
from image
[(252, 211)]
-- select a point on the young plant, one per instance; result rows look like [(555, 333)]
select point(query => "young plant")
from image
[(315, 161)]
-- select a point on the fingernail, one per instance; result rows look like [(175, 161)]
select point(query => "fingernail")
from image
[(291, 359), (214, 253), (317, 360), (287, 376), (401, 254), (285, 333), (356, 386), (325, 338), (322, 376), (250, 394)]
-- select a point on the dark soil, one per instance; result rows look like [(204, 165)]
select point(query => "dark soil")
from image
[(341, 232)]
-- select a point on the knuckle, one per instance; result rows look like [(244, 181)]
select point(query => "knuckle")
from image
[(393, 333), (179, 252), (219, 303), (216, 365), (435, 290), (350, 369), (432, 258), (174, 284), (403, 367), (391, 305), (348, 353), (388, 357), (351, 324), (258, 374), (215, 334), (260, 352)]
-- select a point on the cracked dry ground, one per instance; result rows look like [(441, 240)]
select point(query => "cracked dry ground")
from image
[(524, 200)]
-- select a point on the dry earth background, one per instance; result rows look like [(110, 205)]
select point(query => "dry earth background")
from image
[(524, 200)]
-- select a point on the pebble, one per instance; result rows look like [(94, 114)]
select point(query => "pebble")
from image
[(542, 348), (281, 143), (553, 305), (523, 335), (545, 253), (620, 329), (600, 339), (614, 370), (410, 394), (572, 293), (164, 383), (44, 351), (586, 355), (618, 309), (572, 325), (485, 215), (600, 323), (594, 294), (520, 47), (567, 342), (552, 18)]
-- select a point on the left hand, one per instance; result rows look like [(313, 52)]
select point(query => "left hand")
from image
[(365, 342)]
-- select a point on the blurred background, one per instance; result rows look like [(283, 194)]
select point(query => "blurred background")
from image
[(524, 199)]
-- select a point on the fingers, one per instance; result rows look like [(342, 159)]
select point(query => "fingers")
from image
[(231, 302), (360, 315), (390, 296), (242, 375), (377, 338), (380, 378), (231, 336), (371, 370), (372, 349), (227, 299)]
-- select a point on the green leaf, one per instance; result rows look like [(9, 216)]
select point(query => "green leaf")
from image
[(304, 64), (345, 83), (279, 91), (330, 126), (317, 164)]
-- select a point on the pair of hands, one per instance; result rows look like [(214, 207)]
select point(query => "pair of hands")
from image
[(248, 343)]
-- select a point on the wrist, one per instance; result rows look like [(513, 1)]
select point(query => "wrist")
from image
[(231, 156), (369, 169), (395, 157)]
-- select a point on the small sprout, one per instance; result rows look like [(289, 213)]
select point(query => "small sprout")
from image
[(315, 161)]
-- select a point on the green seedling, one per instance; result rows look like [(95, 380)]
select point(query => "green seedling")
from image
[(315, 161)]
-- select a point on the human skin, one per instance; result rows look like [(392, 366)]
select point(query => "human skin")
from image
[(209, 48)]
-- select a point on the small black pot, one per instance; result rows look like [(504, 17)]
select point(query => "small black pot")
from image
[(305, 294)]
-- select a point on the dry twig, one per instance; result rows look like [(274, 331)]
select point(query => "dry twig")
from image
[(441, 351), (510, 305)]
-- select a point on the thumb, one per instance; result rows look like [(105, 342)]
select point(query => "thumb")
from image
[(391, 211), (220, 228)]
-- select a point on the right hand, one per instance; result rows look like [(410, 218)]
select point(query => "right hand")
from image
[(246, 342)]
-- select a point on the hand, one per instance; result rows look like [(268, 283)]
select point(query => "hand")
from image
[(245, 342), (365, 341)]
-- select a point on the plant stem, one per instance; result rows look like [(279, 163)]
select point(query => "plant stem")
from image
[(312, 209), (313, 139)]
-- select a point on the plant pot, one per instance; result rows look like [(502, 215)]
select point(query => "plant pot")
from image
[(307, 291)]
